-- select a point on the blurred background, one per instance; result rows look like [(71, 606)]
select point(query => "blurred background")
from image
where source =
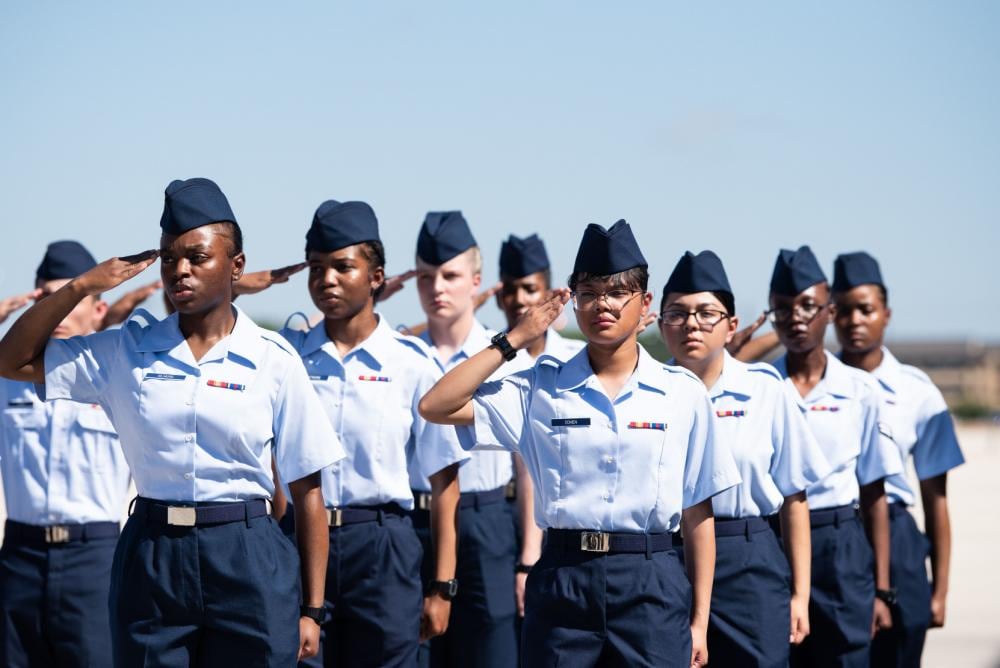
[(742, 128)]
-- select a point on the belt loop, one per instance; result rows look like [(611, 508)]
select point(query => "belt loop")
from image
[(747, 531), (246, 513), (381, 516), (836, 518), (649, 546)]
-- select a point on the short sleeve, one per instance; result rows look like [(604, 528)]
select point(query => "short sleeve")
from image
[(500, 408), (798, 460), (79, 368), (709, 467), (304, 439), (936, 450), (879, 456), (438, 445)]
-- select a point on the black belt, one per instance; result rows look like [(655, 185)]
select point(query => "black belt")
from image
[(55, 534), (162, 512), (338, 517), (827, 516), (422, 500), (603, 541), (740, 526)]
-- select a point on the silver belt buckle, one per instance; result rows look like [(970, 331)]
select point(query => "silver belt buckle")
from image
[(423, 501), (181, 516), (335, 517), (595, 541), (57, 533)]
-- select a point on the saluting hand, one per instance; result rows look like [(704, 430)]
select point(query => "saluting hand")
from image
[(112, 273), (741, 337), (11, 304), (537, 319), (119, 311), (484, 296), (394, 284), (257, 281)]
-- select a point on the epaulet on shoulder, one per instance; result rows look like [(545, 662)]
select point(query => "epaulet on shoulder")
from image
[(140, 318), (549, 361), (413, 343), (766, 369), (297, 314), (278, 340), (919, 374)]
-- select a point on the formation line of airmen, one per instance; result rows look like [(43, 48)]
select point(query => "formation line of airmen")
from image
[(351, 494)]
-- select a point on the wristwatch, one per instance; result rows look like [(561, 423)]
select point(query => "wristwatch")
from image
[(888, 596), (315, 614), (501, 343), (522, 568), (446, 588)]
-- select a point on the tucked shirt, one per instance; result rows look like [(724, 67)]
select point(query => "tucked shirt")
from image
[(485, 470), (842, 412), (775, 452), (201, 430), (921, 426), (630, 464), (60, 460), (370, 396)]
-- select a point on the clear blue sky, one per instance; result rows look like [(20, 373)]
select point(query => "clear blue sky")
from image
[(743, 129)]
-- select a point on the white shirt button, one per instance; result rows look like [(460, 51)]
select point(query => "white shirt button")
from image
[(188, 476), (188, 438)]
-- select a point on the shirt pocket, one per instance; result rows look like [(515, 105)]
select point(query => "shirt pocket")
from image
[(21, 425), (98, 437)]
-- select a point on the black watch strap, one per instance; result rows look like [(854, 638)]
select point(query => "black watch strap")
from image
[(500, 342), (318, 615), (522, 568), (888, 596), (447, 588)]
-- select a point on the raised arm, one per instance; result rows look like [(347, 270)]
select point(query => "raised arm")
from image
[(23, 346), (450, 400)]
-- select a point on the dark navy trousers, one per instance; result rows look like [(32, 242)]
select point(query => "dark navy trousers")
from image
[(54, 603), (588, 609), (481, 630), (374, 596), (902, 645), (749, 623), (842, 598), (214, 595)]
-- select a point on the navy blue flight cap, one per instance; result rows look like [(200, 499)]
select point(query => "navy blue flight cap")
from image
[(698, 273), (795, 272), (443, 235), (193, 203), (523, 257), (604, 252), (853, 269), (337, 225), (64, 259)]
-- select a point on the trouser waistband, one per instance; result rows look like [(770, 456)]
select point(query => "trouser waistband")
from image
[(826, 516), (56, 534), (338, 517), (422, 500), (606, 542), (740, 526), (189, 515)]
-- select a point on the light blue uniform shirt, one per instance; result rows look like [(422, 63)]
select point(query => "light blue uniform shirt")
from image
[(371, 397), (629, 465), (555, 346), (485, 470), (921, 425), (774, 450), (198, 430), (61, 461), (842, 412)]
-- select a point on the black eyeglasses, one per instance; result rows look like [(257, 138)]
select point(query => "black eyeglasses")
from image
[(585, 300), (706, 318), (806, 312)]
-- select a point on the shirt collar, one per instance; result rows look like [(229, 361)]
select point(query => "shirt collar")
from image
[(375, 346), (244, 341), (837, 379), (734, 379), (889, 372), (577, 372)]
